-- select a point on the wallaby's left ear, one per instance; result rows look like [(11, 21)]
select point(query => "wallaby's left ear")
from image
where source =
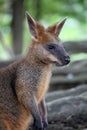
[(31, 24), (56, 29), (36, 29)]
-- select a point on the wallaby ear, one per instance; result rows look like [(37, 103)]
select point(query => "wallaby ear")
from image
[(31, 24), (59, 26), (56, 29)]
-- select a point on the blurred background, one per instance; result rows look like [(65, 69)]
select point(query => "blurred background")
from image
[(14, 34), (70, 81)]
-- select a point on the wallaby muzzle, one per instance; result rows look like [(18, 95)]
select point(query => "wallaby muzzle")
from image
[(62, 56)]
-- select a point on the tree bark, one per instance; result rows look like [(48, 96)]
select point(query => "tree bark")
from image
[(17, 25)]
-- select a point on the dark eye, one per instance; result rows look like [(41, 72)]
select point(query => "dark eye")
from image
[(51, 47)]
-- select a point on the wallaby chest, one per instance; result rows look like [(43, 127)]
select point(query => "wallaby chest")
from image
[(43, 83), (35, 78)]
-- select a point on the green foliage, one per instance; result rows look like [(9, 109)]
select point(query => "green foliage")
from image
[(72, 8)]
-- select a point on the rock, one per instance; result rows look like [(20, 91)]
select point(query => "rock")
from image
[(80, 90), (67, 110)]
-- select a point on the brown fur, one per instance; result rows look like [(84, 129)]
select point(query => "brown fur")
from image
[(24, 83)]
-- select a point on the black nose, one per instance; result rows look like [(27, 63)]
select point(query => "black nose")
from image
[(67, 60)]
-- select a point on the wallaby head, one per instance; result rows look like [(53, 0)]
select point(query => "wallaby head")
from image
[(46, 45)]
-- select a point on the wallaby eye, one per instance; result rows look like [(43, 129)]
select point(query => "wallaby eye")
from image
[(51, 47)]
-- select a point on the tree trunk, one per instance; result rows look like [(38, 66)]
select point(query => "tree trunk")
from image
[(17, 26)]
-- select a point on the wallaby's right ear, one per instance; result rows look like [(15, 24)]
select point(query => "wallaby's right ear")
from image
[(31, 24)]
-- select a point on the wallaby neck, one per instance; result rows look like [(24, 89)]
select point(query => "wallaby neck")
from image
[(32, 59), (35, 63)]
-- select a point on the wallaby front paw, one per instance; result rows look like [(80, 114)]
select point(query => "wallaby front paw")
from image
[(38, 125), (45, 124)]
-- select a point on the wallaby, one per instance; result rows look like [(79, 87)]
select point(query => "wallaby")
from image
[(24, 83)]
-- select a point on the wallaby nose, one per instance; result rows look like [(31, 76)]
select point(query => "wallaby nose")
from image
[(67, 60)]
